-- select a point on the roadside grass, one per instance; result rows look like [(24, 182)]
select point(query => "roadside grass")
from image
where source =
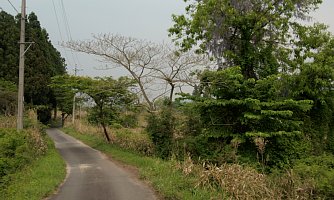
[(165, 178), (30, 166), (37, 180)]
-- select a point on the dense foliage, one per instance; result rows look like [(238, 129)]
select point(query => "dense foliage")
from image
[(161, 128), (18, 149), (8, 97), (271, 98), (42, 60)]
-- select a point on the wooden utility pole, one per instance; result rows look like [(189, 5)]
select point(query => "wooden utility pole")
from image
[(73, 109), (20, 99)]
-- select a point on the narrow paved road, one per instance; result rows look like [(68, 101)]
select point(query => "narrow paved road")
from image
[(91, 176)]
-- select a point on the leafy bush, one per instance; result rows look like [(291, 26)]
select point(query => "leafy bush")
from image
[(205, 148), (129, 120), (161, 128), (320, 171), (17, 149)]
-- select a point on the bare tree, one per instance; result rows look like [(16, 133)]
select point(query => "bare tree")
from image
[(152, 66), (175, 68), (132, 54)]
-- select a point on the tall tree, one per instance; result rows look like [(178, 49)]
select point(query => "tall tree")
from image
[(9, 49), (252, 34), (175, 68), (132, 54), (42, 60), (151, 65)]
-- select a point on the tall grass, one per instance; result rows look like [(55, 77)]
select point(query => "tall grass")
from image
[(243, 182), (7, 121), (30, 166), (133, 139)]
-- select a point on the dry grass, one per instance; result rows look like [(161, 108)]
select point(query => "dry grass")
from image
[(7, 122), (130, 139), (35, 132), (245, 183), (134, 140), (238, 181)]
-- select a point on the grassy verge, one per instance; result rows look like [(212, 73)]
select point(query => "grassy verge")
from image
[(169, 182), (39, 179)]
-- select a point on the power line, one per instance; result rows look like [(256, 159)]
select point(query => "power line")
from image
[(59, 30), (12, 6), (55, 11), (67, 33), (68, 30)]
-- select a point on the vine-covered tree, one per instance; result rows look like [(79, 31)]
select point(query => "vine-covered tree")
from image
[(252, 34)]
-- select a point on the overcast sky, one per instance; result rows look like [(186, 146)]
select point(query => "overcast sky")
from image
[(145, 19)]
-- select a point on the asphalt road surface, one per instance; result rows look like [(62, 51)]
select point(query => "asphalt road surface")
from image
[(91, 176)]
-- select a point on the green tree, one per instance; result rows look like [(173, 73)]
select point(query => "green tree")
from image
[(43, 61), (8, 97), (252, 34), (233, 110), (314, 59), (9, 49), (64, 92), (110, 96)]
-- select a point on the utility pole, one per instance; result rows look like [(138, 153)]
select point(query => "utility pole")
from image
[(20, 99), (73, 109)]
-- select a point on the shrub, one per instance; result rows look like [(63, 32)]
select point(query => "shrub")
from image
[(17, 149), (214, 150), (161, 129), (320, 171), (129, 120)]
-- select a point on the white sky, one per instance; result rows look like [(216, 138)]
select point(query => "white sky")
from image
[(145, 19)]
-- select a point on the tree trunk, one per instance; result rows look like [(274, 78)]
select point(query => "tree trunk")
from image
[(55, 113), (63, 118), (105, 132), (171, 94), (142, 89)]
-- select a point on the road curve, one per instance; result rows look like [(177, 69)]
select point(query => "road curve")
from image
[(91, 176)]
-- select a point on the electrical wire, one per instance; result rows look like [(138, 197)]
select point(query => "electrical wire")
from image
[(13, 7), (59, 30), (68, 31)]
